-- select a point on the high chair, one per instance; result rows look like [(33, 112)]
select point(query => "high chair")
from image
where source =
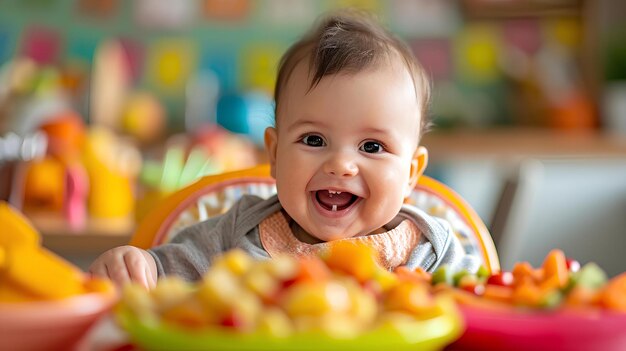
[(214, 194)]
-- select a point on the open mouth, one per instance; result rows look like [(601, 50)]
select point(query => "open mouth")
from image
[(335, 201)]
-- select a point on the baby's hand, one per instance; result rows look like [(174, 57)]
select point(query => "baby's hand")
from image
[(126, 264)]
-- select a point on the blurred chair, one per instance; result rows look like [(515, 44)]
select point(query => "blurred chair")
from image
[(213, 195), (575, 204)]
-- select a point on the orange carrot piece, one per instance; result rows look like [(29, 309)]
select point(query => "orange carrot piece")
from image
[(527, 294), (555, 265), (613, 295), (312, 269), (498, 293)]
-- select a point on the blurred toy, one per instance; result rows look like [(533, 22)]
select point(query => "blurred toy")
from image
[(144, 118), (188, 157), (112, 166), (76, 193), (44, 186), (66, 135), (109, 84), (248, 114), (229, 151)]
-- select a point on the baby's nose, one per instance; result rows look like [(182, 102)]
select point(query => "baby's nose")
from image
[(341, 165)]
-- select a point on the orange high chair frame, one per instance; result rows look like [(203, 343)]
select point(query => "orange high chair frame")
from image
[(213, 194)]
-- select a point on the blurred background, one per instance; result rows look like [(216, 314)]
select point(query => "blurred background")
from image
[(106, 106)]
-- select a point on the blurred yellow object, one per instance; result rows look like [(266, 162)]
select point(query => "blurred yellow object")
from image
[(27, 270), (144, 118), (16, 229), (41, 273), (112, 167)]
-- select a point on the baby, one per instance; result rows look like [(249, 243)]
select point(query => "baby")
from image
[(351, 104)]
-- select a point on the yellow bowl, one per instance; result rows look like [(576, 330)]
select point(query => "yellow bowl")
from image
[(52, 325)]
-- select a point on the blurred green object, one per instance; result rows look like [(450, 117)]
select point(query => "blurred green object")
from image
[(177, 169)]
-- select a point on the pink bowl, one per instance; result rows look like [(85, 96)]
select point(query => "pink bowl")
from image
[(567, 330), (51, 325)]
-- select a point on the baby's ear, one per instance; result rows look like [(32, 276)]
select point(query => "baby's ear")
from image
[(271, 145), (418, 165)]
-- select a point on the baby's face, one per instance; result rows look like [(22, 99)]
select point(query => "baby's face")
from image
[(345, 153)]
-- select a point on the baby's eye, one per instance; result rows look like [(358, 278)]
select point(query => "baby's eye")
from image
[(313, 140), (372, 147)]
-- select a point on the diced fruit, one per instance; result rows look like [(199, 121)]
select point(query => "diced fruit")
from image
[(613, 295), (188, 313), (236, 261), (572, 265), (10, 293), (418, 275), (503, 278), (500, 293), (555, 267), (16, 229), (590, 276), (171, 291), (42, 273), (247, 310), (558, 283), (581, 297), (384, 279), (312, 269), (262, 283), (275, 322), (219, 290), (409, 297), (458, 276), (359, 261), (316, 299), (282, 267), (527, 294), (442, 275), (471, 283), (522, 271), (232, 320), (138, 300), (551, 300), (29, 272), (285, 295), (483, 272)]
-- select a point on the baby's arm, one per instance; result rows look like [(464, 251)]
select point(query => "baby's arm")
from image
[(126, 264)]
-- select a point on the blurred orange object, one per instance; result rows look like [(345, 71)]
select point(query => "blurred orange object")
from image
[(574, 112), (66, 135), (44, 185)]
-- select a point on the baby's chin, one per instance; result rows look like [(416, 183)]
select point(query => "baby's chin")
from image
[(325, 237)]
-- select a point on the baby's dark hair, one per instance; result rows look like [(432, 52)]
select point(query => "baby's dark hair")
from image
[(350, 41)]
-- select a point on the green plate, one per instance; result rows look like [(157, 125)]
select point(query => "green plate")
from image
[(430, 334)]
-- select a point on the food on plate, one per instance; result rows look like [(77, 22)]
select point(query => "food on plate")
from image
[(342, 294), (560, 282)]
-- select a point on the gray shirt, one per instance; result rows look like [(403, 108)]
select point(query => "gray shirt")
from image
[(190, 252)]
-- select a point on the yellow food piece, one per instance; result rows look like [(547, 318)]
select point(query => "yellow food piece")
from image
[(16, 230), (42, 273), (11, 293), (29, 272)]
